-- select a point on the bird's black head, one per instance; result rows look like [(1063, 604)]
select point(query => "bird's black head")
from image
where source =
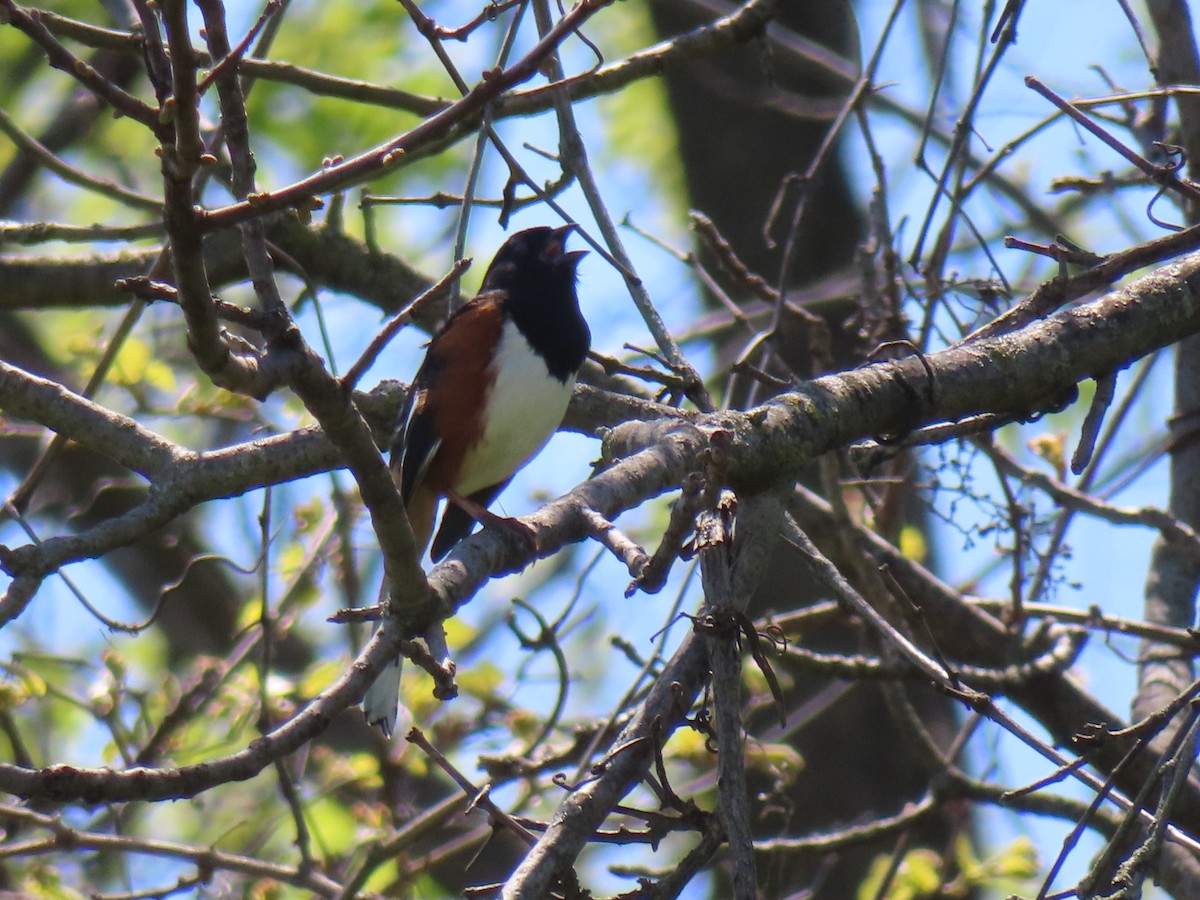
[(536, 258), (536, 275)]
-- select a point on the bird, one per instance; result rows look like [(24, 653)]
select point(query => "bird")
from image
[(490, 393)]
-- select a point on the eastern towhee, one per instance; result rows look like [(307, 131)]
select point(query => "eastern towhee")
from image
[(490, 393)]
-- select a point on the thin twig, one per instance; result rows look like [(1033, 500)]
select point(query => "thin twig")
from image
[(1160, 175), (398, 321)]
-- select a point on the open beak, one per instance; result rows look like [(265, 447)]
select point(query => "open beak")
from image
[(560, 242)]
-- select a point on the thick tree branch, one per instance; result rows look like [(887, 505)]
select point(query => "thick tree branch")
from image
[(766, 446), (118, 437)]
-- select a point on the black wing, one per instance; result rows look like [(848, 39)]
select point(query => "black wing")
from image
[(416, 439)]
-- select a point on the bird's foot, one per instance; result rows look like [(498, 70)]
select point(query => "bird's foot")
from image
[(514, 529)]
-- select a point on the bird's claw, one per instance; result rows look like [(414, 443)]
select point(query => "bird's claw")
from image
[(516, 531)]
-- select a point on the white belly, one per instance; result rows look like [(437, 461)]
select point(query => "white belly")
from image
[(526, 407)]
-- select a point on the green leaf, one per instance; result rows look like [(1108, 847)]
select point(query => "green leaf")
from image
[(919, 875), (332, 825), (782, 761)]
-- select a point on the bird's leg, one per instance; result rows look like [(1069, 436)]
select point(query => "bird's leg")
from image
[(488, 519)]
